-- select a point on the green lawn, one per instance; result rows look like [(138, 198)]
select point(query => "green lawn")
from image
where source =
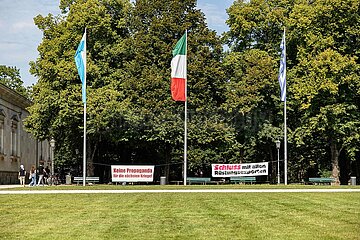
[(181, 216)]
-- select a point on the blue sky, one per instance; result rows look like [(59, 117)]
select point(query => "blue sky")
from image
[(20, 37)]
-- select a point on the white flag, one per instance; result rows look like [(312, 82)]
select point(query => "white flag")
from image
[(282, 70)]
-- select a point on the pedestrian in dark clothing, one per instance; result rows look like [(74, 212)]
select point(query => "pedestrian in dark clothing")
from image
[(22, 174)]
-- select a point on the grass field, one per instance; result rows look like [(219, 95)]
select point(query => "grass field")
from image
[(181, 216)]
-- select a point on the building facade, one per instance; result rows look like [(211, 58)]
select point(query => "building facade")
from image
[(16, 145)]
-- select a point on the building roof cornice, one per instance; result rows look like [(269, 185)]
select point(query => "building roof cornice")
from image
[(13, 97)]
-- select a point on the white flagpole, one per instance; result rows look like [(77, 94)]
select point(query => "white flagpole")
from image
[(282, 82), (185, 124), (84, 149), (285, 146), (285, 125)]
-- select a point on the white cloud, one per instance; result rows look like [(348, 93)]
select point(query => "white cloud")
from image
[(19, 35), (23, 25), (215, 13)]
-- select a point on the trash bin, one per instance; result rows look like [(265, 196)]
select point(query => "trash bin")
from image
[(68, 180), (162, 180), (353, 181)]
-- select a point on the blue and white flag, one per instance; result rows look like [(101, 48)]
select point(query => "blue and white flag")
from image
[(282, 70), (80, 60)]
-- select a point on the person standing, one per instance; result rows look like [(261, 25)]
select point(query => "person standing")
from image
[(47, 175), (32, 176), (22, 174), (41, 175)]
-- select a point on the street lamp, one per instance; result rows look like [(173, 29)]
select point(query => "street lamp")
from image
[(278, 161), (52, 146)]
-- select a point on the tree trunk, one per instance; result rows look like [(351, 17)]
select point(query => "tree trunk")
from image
[(90, 158), (273, 176), (335, 162), (167, 163)]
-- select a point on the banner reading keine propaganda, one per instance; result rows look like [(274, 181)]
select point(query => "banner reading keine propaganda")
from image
[(132, 173), (244, 169)]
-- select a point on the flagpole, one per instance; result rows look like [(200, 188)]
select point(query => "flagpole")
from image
[(285, 146), (285, 123), (84, 149), (84, 145), (185, 124), (282, 82)]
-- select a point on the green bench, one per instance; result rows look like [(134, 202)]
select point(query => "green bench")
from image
[(201, 180), (239, 180), (87, 180), (321, 180)]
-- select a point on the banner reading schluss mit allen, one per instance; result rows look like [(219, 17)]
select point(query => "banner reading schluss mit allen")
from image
[(244, 169), (132, 173)]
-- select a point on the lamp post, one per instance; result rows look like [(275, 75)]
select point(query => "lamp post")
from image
[(77, 158), (52, 146), (278, 161)]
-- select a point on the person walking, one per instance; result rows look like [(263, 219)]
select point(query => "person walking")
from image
[(32, 176), (46, 176), (22, 174), (41, 175)]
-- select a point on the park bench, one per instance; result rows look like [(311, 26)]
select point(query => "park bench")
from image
[(317, 181), (176, 182), (201, 180), (239, 180), (87, 180)]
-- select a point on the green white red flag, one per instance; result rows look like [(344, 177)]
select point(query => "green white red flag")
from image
[(178, 70)]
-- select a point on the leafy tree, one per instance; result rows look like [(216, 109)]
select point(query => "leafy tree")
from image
[(10, 77), (257, 24), (323, 77), (327, 88), (131, 117), (251, 66), (156, 27), (57, 109), (326, 78)]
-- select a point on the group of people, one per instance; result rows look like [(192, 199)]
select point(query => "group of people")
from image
[(43, 173)]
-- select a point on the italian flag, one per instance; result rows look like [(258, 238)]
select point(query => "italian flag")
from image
[(178, 70)]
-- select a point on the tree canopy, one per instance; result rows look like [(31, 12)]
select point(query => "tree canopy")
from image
[(131, 117), (10, 77), (322, 82), (234, 107)]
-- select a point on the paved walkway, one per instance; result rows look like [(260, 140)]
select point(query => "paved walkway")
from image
[(10, 186), (3, 192)]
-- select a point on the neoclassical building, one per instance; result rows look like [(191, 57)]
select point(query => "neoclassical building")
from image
[(16, 145)]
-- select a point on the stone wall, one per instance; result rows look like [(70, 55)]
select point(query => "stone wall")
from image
[(9, 178)]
